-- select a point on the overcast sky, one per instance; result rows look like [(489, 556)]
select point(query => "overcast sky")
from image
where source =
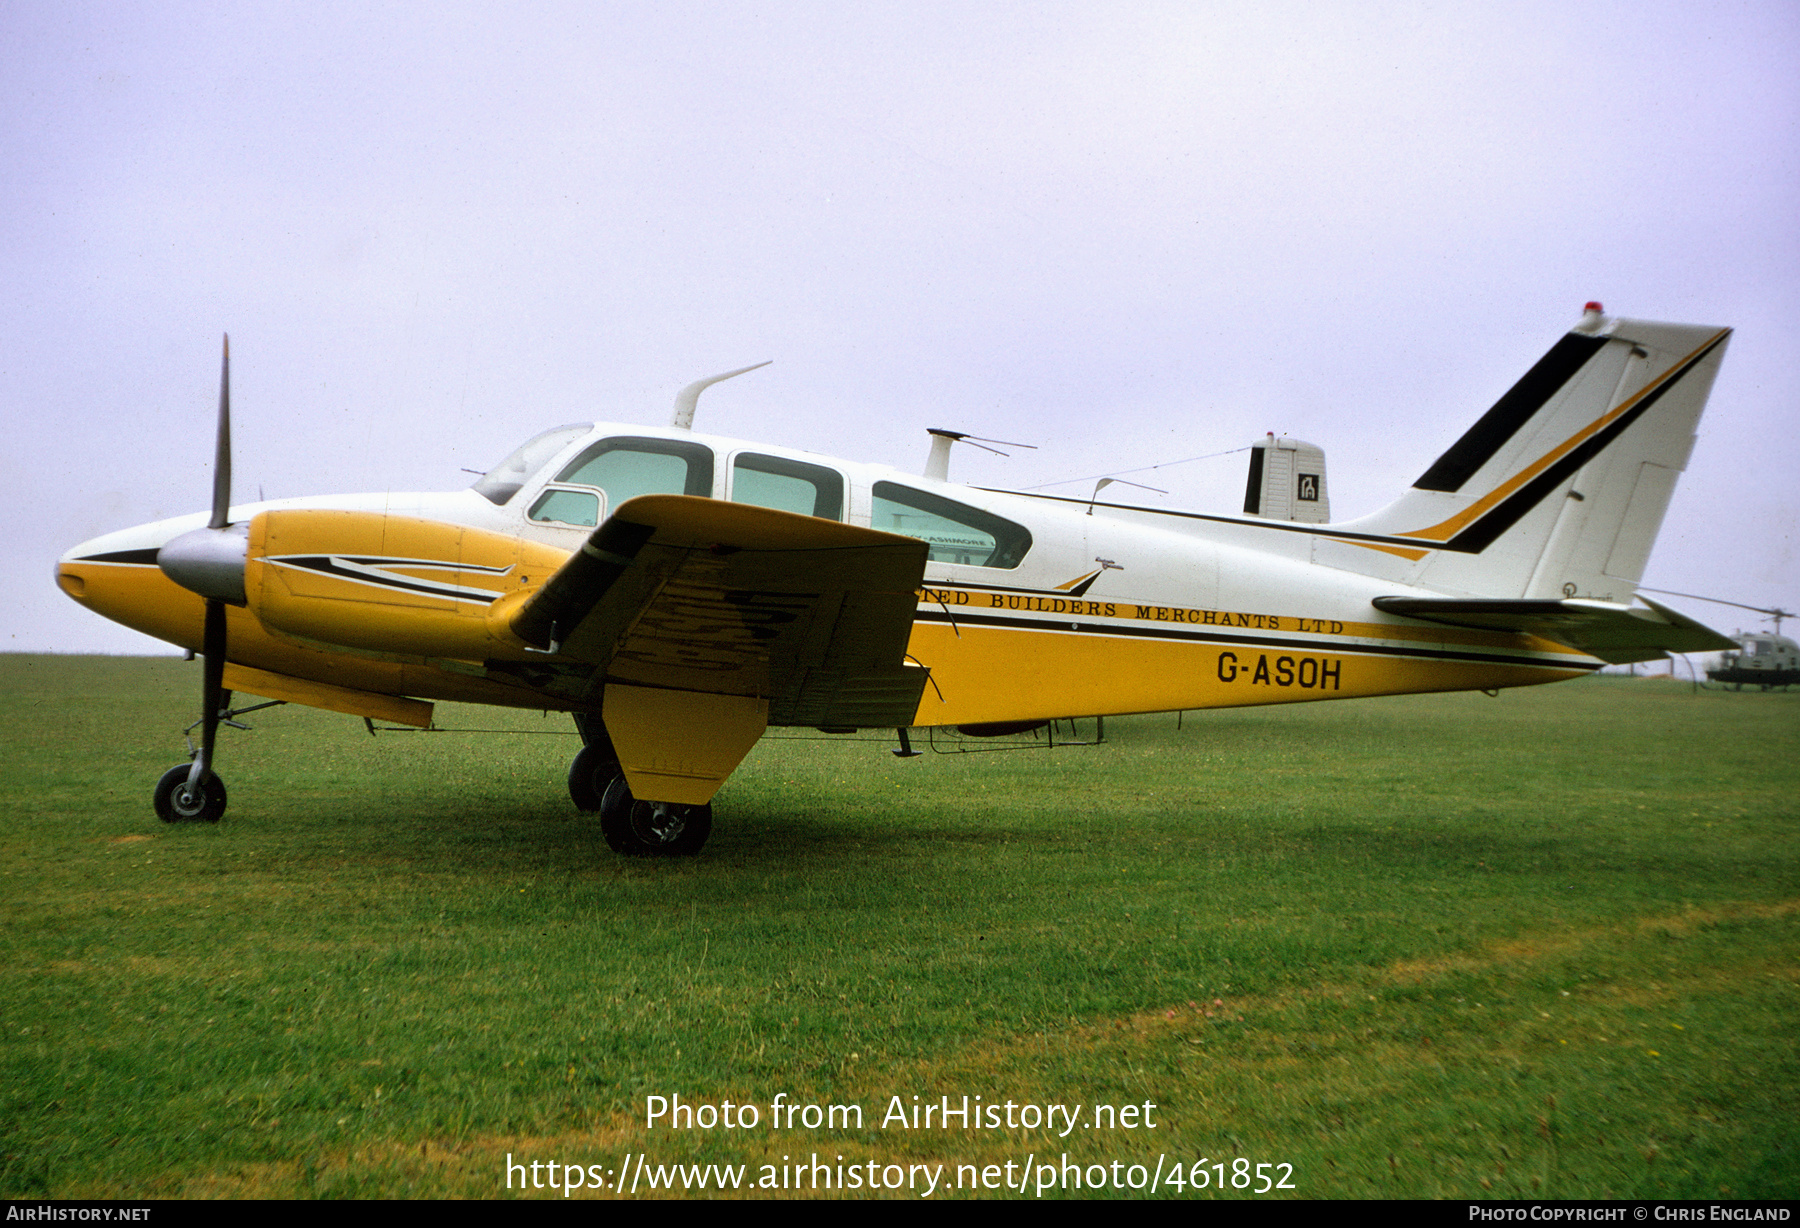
[(1126, 233)]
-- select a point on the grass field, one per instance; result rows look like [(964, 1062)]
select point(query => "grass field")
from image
[(1544, 944)]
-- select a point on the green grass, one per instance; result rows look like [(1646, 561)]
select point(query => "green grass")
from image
[(1435, 946)]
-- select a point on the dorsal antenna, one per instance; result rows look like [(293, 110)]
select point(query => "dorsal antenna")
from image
[(688, 397), (937, 463), (1103, 483)]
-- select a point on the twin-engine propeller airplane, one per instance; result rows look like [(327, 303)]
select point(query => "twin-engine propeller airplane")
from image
[(680, 593)]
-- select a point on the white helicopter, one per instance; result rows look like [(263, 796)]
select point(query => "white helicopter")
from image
[(680, 593)]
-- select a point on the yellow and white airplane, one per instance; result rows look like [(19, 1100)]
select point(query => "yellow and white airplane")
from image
[(680, 593)]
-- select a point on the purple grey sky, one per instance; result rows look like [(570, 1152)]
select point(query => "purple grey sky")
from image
[(1127, 233)]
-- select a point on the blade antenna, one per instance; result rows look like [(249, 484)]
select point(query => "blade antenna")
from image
[(689, 397), (1103, 483)]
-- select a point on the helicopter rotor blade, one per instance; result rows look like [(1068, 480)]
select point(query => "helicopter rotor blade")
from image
[(1772, 613)]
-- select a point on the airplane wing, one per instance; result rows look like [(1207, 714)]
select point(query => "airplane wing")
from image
[(1618, 634), (695, 595)]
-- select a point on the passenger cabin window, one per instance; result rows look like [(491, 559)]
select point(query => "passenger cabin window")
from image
[(955, 532), (787, 485)]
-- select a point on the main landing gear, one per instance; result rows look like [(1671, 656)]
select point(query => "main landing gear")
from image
[(594, 768), (652, 829), (632, 827)]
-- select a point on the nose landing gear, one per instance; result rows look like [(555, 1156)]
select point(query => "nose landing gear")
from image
[(178, 802)]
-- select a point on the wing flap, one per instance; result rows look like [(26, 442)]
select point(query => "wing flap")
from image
[(1617, 634)]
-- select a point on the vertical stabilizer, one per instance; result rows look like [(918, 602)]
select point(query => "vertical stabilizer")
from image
[(1560, 488)]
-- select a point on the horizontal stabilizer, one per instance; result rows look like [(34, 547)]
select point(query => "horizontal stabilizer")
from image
[(1618, 634)]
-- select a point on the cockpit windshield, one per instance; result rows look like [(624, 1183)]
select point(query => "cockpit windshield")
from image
[(502, 482)]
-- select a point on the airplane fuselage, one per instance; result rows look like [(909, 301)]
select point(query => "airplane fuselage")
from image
[(1031, 607)]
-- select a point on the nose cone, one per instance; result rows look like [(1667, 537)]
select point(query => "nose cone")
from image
[(208, 561), (116, 576), (125, 551)]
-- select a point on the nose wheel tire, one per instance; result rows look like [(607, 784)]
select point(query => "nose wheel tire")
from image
[(638, 828), (590, 774), (176, 803)]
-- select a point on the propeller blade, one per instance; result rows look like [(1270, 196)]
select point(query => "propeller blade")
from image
[(212, 643), (210, 561), (221, 504)]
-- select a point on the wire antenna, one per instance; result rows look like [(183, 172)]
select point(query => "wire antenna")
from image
[(1118, 473)]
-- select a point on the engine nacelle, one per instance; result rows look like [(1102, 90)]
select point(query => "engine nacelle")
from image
[(372, 581)]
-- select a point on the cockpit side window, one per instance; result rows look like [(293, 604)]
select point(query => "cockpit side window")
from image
[(503, 481), (626, 467), (580, 508), (787, 485), (955, 532)]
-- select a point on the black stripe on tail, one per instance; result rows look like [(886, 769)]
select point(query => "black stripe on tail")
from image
[(1510, 412)]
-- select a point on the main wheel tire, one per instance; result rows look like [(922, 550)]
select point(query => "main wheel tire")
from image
[(652, 829), (175, 804), (590, 774)]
